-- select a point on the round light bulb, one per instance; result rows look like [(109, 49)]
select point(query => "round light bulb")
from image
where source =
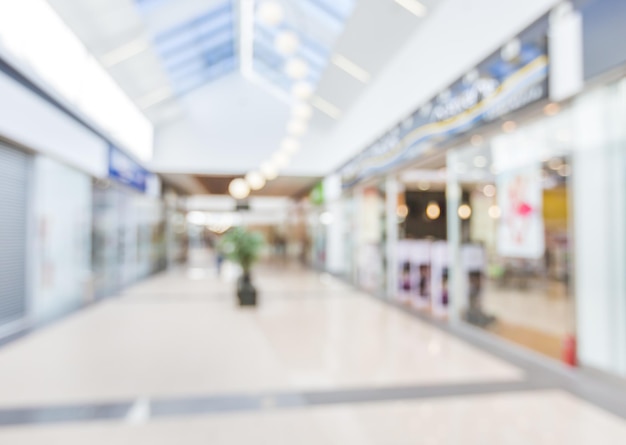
[(489, 190), (255, 180), (290, 145), (465, 211), (297, 69), (280, 160), (271, 13), (302, 90), (287, 43), (303, 111), (296, 128), (433, 211), (269, 171), (239, 188)]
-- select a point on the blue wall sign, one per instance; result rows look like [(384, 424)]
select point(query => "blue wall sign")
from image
[(506, 81), (126, 170)]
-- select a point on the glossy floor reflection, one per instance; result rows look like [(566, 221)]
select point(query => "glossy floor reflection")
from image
[(174, 359)]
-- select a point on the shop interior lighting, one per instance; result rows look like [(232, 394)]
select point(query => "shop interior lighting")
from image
[(480, 162), (125, 52), (402, 211), (255, 180), (465, 212), (551, 109), (489, 190), (296, 69), (351, 68), (302, 90), (326, 107), (271, 13), (509, 127), (433, 211), (477, 140), (423, 186), (287, 43), (565, 170), (494, 212), (239, 188), (414, 7)]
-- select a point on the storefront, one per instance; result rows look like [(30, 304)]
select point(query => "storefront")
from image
[(62, 202), (129, 235), (15, 171)]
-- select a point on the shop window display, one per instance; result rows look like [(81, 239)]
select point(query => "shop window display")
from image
[(519, 224)]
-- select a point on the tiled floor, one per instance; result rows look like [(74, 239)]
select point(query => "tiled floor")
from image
[(174, 360)]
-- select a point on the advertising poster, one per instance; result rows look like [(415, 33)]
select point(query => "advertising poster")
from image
[(521, 230)]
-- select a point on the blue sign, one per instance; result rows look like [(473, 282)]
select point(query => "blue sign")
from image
[(126, 170), (506, 81)]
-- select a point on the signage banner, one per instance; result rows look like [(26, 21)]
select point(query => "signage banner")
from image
[(508, 80), (126, 170), (521, 229)]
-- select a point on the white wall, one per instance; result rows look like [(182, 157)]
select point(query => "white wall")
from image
[(31, 121), (600, 228)]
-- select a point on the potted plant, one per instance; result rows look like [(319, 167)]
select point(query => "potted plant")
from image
[(244, 248)]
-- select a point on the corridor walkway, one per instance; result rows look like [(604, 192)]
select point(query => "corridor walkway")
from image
[(174, 361)]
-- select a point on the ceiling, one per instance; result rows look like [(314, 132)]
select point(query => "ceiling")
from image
[(221, 103)]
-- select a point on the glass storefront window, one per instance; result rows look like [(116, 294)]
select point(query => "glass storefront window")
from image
[(514, 245)]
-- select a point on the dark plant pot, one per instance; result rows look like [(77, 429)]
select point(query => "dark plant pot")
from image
[(246, 293)]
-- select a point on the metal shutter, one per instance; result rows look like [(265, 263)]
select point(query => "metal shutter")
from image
[(13, 205)]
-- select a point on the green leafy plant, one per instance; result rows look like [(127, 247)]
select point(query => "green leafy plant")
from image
[(242, 246)]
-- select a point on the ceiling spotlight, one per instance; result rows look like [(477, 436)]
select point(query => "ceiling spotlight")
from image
[(297, 69), (296, 128), (302, 90), (269, 171), (255, 180), (290, 145), (280, 160), (239, 188), (303, 111), (271, 13), (287, 43)]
